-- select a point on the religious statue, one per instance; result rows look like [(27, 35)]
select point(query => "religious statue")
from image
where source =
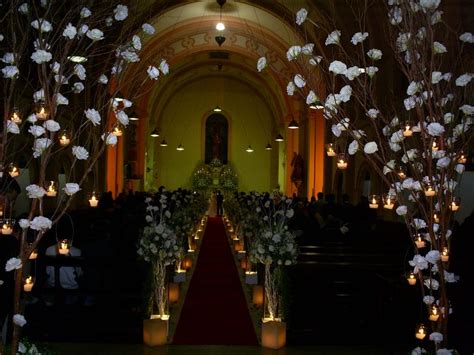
[(216, 143), (297, 175), (216, 139)]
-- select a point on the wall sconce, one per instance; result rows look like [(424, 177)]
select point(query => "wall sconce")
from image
[(279, 138)]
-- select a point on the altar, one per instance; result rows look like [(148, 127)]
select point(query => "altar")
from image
[(214, 176)]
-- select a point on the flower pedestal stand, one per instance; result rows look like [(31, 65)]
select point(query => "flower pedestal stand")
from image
[(273, 334), (155, 330)]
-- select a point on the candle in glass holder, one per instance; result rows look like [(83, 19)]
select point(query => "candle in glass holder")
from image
[(407, 131), (28, 285), (454, 206), (401, 173), (420, 243), (117, 132), (341, 161), (7, 228), (434, 313), (33, 255), (389, 202), (429, 191), (374, 201), (462, 159), (93, 200), (421, 332), (436, 218), (13, 170), (16, 116), (63, 247), (434, 146), (445, 255), (330, 151), (41, 112), (411, 279), (64, 139), (52, 189)]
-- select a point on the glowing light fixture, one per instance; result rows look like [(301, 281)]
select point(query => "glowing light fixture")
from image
[(220, 26), (180, 148), (249, 149), (217, 109), (268, 147), (163, 143), (293, 124), (154, 134), (279, 138)]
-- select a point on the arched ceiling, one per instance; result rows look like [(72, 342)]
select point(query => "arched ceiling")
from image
[(185, 32)]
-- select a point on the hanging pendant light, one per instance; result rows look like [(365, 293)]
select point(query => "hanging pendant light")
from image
[(180, 148), (163, 143), (268, 147), (154, 134), (249, 149), (293, 124), (279, 138), (220, 25), (217, 109)]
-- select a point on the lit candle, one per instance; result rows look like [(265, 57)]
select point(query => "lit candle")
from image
[(401, 173), (411, 279), (51, 191), (341, 161), (434, 314), (436, 218), (64, 140), (374, 201), (41, 112), (16, 117), (462, 159), (429, 191), (434, 146), (13, 171), (27, 287), (455, 202), (330, 150), (63, 247), (1, 211), (445, 255), (420, 243), (421, 332), (93, 201), (7, 229), (33, 255), (117, 132), (407, 132), (389, 202)]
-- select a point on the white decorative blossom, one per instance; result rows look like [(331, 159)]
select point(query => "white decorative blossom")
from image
[(373, 113), (370, 148), (121, 12), (429, 300), (52, 126), (435, 336), (110, 139), (337, 67), (103, 79), (148, 29), (371, 71), (333, 38), (12, 127), (359, 37), (40, 145), (430, 5), (345, 93), (261, 63), (435, 129), (401, 210), (467, 37), (35, 191), (464, 79), (301, 16), (432, 284), (433, 256), (395, 15), (290, 88), (307, 49), (19, 320), (71, 188), (130, 56), (353, 72), (93, 116), (42, 25), (24, 223), (36, 131), (80, 153), (82, 30), (41, 223), (353, 147), (23, 8), (70, 31), (374, 54), (95, 34), (311, 98), (122, 117), (13, 264), (85, 12), (61, 100), (439, 48), (299, 81), (293, 52), (164, 67), (41, 56), (443, 162), (78, 87), (419, 263), (10, 71), (315, 60)]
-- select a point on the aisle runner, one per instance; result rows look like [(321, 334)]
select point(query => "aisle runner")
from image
[(215, 310)]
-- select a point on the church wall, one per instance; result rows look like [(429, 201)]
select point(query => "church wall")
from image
[(183, 121)]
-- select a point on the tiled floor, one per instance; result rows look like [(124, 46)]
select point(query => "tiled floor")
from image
[(132, 349)]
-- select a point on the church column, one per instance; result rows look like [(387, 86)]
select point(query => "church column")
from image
[(316, 152)]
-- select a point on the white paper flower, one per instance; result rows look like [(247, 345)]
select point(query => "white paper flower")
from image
[(439, 48), (78, 87), (164, 67), (148, 29), (80, 71), (23, 8), (467, 37), (433, 256), (80, 153), (301, 16), (95, 34), (293, 52), (103, 79), (436, 77), (335, 130), (36, 131), (24, 223), (374, 54), (395, 15), (371, 71), (429, 300), (353, 147), (42, 25), (61, 100), (32, 118), (40, 145), (333, 38), (429, 4), (419, 263), (419, 223), (10, 71), (443, 162), (401, 210), (19, 320), (35, 191), (122, 117), (82, 30), (435, 129), (435, 336), (359, 37), (110, 139), (12, 127), (52, 126), (307, 49), (464, 79), (40, 223), (153, 72), (85, 12), (121, 12), (70, 31), (130, 56), (41, 56), (71, 188), (299, 81), (290, 88), (370, 148), (13, 264), (345, 93), (373, 113), (93, 116), (261, 64), (337, 67), (353, 72), (315, 60)]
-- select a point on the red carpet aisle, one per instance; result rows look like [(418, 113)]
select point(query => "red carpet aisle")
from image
[(215, 310)]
